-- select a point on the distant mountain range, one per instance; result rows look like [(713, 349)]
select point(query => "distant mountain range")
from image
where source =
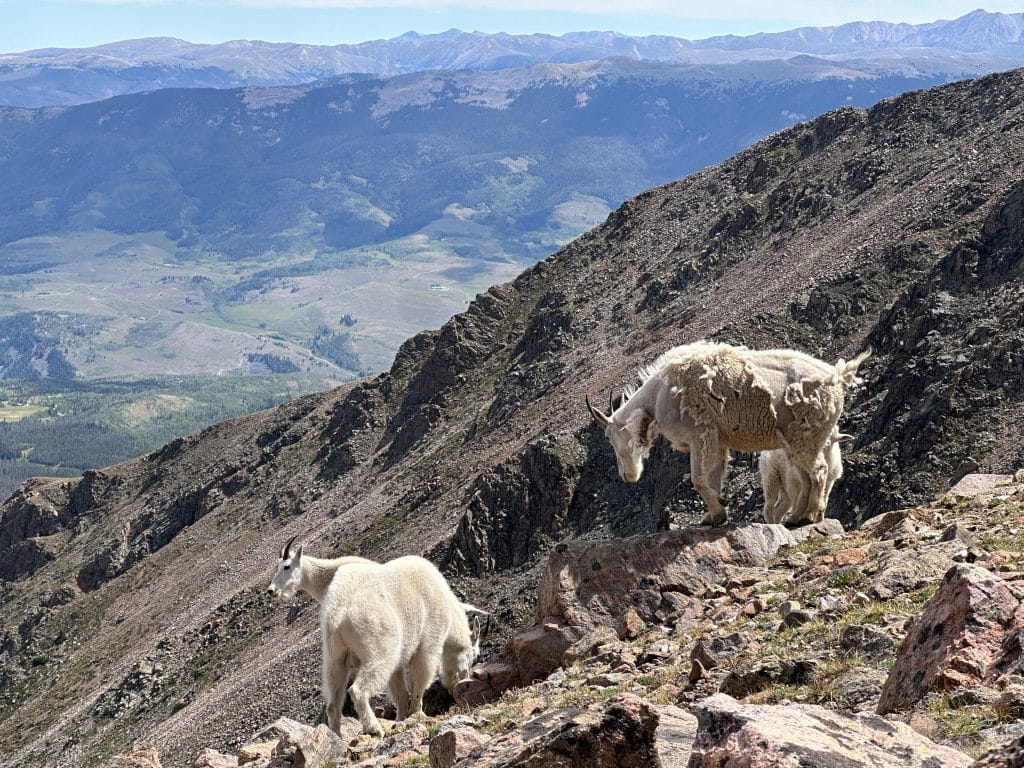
[(215, 229), (976, 43), (499, 165)]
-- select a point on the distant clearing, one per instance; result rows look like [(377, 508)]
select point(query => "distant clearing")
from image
[(142, 306), (18, 412)]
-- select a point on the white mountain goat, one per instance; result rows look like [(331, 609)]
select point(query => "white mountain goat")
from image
[(395, 625), (707, 398), (783, 481)]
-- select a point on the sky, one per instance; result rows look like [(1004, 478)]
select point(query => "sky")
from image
[(31, 24)]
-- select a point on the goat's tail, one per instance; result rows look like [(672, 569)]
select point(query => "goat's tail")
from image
[(846, 372)]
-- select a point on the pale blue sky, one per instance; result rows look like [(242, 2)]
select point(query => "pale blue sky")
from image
[(28, 24)]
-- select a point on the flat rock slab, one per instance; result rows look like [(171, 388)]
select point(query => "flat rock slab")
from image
[(588, 584), (985, 485), (735, 735), (674, 736)]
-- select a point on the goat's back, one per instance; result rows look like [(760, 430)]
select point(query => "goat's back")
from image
[(753, 395), (402, 603)]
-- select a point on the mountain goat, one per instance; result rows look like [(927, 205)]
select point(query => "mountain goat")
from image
[(782, 481), (708, 398), (395, 625)]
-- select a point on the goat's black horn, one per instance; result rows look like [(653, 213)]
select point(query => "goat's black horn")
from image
[(287, 548)]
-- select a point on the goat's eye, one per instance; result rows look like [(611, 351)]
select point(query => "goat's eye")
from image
[(287, 567)]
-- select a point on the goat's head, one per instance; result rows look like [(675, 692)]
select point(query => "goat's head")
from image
[(289, 571), (479, 624), (630, 432)]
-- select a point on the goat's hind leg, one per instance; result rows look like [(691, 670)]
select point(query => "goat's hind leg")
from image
[(372, 678), (336, 672), (398, 690)]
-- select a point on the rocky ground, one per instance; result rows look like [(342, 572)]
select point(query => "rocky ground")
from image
[(897, 644)]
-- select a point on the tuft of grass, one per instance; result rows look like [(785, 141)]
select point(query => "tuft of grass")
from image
[(416, 760), (847, 579)]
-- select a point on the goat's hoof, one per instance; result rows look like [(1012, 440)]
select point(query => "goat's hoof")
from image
[(714, 519), (374, 729)]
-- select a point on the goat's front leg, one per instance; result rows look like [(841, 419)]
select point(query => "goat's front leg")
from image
[(812, 474), (422, 670), (708, 465)]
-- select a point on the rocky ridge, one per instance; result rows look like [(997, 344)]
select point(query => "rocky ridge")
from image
[(877, 647), (133, 605)]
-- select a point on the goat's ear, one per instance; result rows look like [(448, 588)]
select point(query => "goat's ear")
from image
[(616, 401), (480, 626), (298, 553)]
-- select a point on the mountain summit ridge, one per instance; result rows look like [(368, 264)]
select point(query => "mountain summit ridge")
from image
[(54, 76)]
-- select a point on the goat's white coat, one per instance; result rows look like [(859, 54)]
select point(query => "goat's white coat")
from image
[(394, 624), (708, 398), (782, 482)]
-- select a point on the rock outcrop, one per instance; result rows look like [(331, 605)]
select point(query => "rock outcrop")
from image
[(959, 640), (733, 735), (778, 670)]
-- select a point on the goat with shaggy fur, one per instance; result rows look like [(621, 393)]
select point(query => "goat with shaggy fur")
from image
[(708, 398)]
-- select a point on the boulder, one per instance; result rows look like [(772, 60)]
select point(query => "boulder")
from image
[(487, 683), (618, 733), (321, 745), (956, 640), (284, 728), (735, 735), (980, 484), (448, 747), (1009, 755), (872, 642), (409, 737), (540, 650), (256, 751), (630, 625), (211, 758)]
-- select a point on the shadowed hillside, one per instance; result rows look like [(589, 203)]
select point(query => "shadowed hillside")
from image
[(139, 590)]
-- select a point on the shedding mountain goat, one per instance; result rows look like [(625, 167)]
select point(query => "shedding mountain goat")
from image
[(395, 625), (707, 398)]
